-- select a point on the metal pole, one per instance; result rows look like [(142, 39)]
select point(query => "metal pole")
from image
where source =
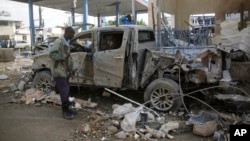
[(133, 11), (40, 17), (85, 13), (73, 16), (31, 20), (99, 20), (135, 18), (117, 13)]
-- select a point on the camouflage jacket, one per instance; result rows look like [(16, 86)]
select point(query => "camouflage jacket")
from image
[(61, 65)]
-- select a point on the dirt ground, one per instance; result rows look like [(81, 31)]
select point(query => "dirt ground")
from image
[(40, 122)]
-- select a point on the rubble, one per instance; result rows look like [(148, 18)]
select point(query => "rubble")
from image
[(21, 86), (205, 129), (3, 77)]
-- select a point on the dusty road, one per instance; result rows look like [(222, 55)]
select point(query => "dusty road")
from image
[(20, 122)]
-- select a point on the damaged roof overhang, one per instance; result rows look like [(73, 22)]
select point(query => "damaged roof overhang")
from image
[(95, 7)]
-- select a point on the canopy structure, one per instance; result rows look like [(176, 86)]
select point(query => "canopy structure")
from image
[(95, 7), (88, 7)]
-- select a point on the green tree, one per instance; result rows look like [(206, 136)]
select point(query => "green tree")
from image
[(111, 22), (141, 22)]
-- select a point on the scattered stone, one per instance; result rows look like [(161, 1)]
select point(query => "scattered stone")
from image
[(115, 123), (31, 95), (5, 91), (136, 136), (21, 85), (205, 129), (86, 128), (88, 103), (3, 77), (13, 87), (14, 68), (112, 130), (106, 94), (121, 135), (53, 98)]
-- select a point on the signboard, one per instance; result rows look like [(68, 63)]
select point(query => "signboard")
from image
[(143, 2)]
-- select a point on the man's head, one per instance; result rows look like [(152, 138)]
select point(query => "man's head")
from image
[(69, 33)]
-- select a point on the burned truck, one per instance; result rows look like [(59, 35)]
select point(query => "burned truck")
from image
[(126, 57)]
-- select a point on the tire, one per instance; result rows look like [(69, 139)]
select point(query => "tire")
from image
[(43, 81), (160, 87)]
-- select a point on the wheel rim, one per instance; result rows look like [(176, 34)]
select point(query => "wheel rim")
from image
[(44, 84), (162, 99)]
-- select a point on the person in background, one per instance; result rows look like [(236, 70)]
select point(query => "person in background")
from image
[(10, 44), (13, 43), (62, 68), (126, 20)]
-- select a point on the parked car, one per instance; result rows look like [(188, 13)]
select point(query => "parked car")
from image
[(22, 44)]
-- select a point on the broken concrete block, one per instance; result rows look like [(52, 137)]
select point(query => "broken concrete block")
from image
[(115, 123), (5, 91), (53, 98), (31, 95), (77, 106), (171, 125), (3, 77), (86, 128), (21, 85), (114, 106), (6, 55), (205, 129), (121, 135), (106, 94), (13, 87), (136, 136), (112, 130), (85, 103)]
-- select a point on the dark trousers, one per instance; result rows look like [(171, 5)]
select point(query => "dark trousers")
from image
[(62, 84)]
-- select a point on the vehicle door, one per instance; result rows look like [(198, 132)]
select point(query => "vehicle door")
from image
[(109, 58), (82, 59)]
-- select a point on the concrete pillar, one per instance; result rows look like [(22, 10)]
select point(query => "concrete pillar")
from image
[(152, 14), (181, 16)]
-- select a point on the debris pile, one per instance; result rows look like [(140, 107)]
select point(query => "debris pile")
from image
[(138, 123)]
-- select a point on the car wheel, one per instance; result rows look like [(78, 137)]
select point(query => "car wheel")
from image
[(43, 81), (163, 95)]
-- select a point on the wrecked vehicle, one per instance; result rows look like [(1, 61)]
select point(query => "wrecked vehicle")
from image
[(48, 42), (126, 57)]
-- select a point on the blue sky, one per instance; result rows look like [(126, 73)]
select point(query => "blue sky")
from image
[(52, 17)]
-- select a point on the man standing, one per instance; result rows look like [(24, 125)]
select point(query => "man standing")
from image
[(62, 69)]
